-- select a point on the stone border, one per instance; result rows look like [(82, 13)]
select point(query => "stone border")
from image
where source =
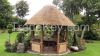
[(49, 54)]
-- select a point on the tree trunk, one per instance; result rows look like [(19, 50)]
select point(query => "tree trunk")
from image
[(9, 37), (83, 33)]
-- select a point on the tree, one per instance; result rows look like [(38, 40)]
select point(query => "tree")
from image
[(73, 7), (22, 9), (5, 13), (18, 20), (89, 20), (56, 2)]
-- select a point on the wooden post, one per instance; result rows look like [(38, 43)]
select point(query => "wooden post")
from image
[(32, 33), (65, 34), (32, 36), (58, 37), (42, 33)]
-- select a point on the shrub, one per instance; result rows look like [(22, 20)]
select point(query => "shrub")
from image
[(98, 35), (9, 26), (75, 40), (90, 35), (27, 44), (27, 41), (23, 37), (8, 46), (20, 37), (9, 31), (70, 39)]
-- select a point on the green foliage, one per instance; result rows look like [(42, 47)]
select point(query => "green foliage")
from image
[(18, 20), (89, 20), (22, 8), (2, 47), (98, 35), (20, 37), (56, 2), (27, 41), (77, 19), (8, 46), (9, 26), (90, 35), (48, 31), (76, 39), (9, 31), (73, 8), (70, 38), (93, 34), (38, 31), (5, 13), (21, 21), (14, 47)]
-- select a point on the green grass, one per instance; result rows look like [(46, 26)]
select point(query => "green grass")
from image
[(93, 49)]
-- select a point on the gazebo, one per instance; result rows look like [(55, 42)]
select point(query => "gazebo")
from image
[(49, 15)]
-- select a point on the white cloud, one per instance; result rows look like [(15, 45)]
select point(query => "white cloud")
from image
[(34, 5)]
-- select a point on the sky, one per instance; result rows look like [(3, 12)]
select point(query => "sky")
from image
[(34, 5)]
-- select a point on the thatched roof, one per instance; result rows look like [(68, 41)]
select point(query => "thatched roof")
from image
[(50, 15)]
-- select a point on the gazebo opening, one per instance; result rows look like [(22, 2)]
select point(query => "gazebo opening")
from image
[(49, 45)]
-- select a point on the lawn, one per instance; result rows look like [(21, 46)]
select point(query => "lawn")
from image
[(92, 49)]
